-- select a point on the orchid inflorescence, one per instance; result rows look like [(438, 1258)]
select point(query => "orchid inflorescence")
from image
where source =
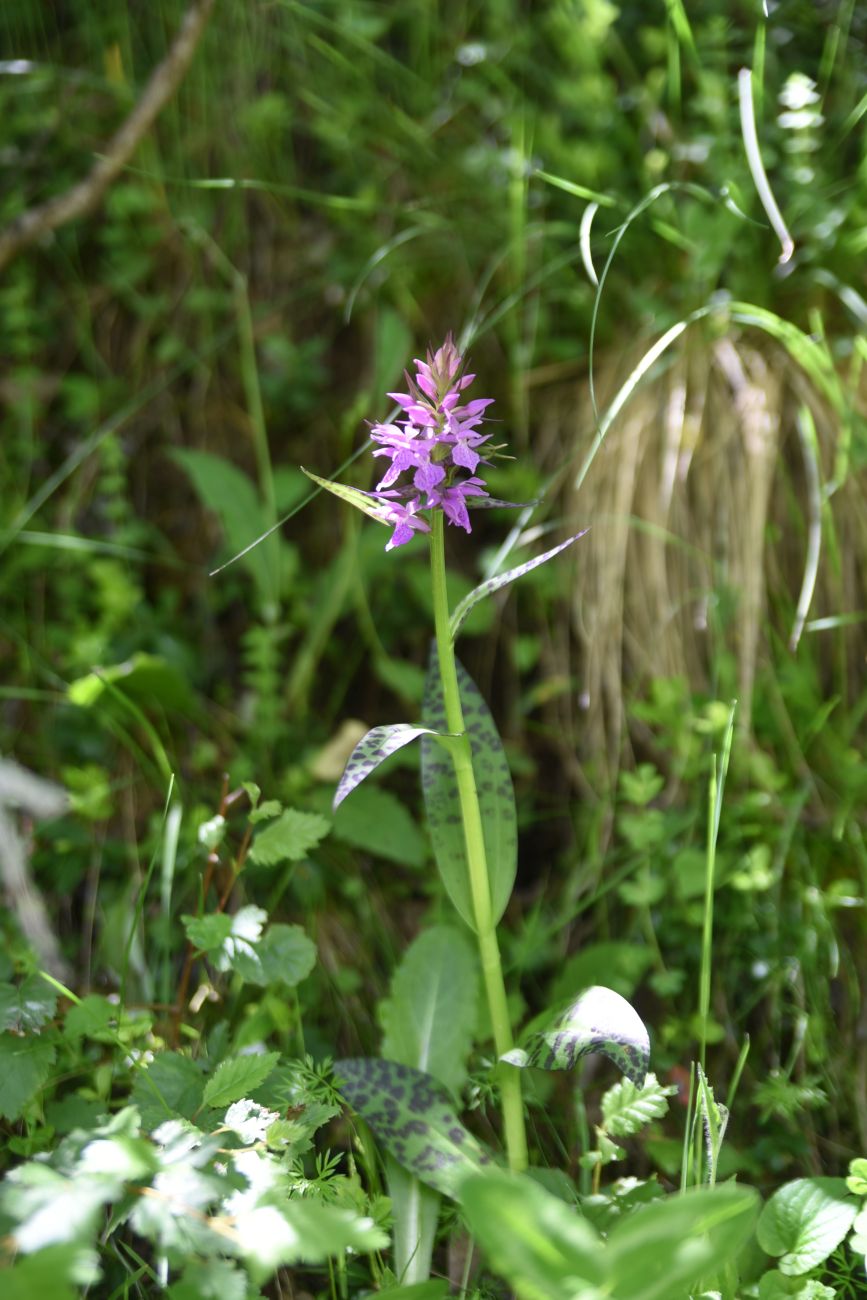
[(438, 443)]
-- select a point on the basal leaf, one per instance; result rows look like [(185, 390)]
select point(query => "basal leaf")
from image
[(662, 1249), (461, 610), (496, 797), (237, 1077), (361, 500), (599, 1020), (541, 1245), (804, 1221), (430, 1014), (414, 1118), (377, 822), (372, 750), (289, 838)]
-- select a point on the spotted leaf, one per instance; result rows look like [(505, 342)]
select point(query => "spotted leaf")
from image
[(414, 1118), (502, 580), (372, 750), (599, 1020), (496, 797)]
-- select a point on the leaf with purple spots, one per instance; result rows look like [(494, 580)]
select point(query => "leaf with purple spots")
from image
[(599, 1020), (462, 609), (494, 786), (414, 1118), (372, 750)]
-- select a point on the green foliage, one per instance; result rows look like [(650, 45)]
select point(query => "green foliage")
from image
[(496, 797), (598, 1020)]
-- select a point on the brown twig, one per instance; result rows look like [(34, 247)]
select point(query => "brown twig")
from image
[(83, 197)]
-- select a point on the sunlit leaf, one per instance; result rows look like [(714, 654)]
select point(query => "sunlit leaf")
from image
[(804, 1221), (496, 797), (414, 1118), (373, 749), (501, 580), (599, 1020)]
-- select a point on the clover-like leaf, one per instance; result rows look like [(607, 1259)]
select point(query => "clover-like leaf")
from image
[(484, 589), (414, 1118), (599, 1020), (374, 748), (494, 786)]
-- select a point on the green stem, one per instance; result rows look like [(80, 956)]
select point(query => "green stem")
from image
[(461, 752)]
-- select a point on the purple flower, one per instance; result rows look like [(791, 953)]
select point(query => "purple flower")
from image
[(438, 443)]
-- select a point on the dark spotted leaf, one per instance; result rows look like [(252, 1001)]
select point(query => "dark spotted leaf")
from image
[(502, 580), (414, 1118), (372, 750), (496, 797), (599, 1020)]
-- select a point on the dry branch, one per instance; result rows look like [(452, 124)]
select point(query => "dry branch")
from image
[(82, 198)]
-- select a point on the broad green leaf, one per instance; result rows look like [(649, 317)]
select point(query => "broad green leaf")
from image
[(430, 1013), (541, 1245), (289, 838), (776, 1286), (857, 1179), (147, 679), (284, 955), (373, 749), (434, 1289), (208, 932), (620, 965), (26, 1005), (599, 1020), (361, 500), (232, 496), (171, 1085), (627, 1108), (496, 797), (804, 1221), (461, 610), (376, 821), (414, 1118), (25, 1064), (664, 1248), (237, 1077), (89, 1018)]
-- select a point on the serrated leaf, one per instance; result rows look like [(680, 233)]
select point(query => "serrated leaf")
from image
[(626, 1108), (377, 822), (361, 500), (290, 838), (25, 1064), (373, 749), (27, 1005), (430, 1013), (496, 796), (804, 1221), (461, 610), (58, 1271), (237, 1077), (599, 1020), (414, 1118)]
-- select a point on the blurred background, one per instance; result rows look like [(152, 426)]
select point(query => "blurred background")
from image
[(327, 189)]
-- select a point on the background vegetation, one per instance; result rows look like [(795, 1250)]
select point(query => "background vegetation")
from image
[(331, 188)]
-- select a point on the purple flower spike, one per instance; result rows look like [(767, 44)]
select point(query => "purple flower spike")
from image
[(437, 442)]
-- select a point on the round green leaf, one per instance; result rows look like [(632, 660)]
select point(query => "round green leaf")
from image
[(805, 1221)]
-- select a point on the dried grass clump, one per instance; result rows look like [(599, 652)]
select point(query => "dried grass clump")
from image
[(705, 497)]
